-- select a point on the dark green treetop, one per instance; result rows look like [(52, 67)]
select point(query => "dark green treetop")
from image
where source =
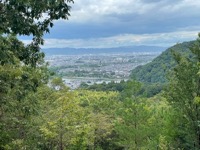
[(31, 17)]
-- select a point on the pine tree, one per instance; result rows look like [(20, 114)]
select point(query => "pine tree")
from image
[(183, 94)]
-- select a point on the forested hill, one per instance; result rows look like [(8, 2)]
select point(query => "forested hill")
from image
[(156, 71)]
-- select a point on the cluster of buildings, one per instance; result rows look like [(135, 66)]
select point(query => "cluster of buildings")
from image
[(96, 68)]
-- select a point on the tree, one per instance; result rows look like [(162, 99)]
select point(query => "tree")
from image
[(31, 17), (100, 110), (183, 94), (20, 76), (140, 122), (61, 123), (131, 126), (22, 68), (74, 119)]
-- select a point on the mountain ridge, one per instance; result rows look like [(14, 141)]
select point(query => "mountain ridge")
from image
[(80, 51)]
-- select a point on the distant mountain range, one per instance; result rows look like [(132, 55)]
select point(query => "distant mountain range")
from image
[(81, 51)]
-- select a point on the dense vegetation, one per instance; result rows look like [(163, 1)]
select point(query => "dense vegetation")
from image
[(157, 70), (41, 114)]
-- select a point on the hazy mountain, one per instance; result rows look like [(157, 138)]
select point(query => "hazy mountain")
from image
[(80, 51)]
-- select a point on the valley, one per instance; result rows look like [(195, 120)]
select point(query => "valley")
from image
[(97, 68)]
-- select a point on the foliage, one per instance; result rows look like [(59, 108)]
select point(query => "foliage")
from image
[(22, 69), (183, 93), (100, 107), (156, 71), (149, 90), (137, 125), (61, 123), (30, 17), (36, 113), (132, 128), (111, 86), (74, 119)]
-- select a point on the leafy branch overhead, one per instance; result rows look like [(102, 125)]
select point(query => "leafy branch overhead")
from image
[(31, 17)]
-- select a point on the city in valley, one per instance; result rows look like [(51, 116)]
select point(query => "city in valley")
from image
[(97, 68)]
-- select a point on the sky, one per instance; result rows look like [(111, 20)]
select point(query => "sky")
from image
[(116, 23)]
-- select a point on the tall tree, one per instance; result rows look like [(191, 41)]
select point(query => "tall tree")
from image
[(100, 109), (19, 78), (183, 94), (133, 116), (22, 69), (61, 123)]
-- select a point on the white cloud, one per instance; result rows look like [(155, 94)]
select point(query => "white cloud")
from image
[(96, 11), (165, 23), (182, 7), (104, 10), (156, 39)]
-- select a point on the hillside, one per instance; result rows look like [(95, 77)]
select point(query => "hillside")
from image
[(156, 71)]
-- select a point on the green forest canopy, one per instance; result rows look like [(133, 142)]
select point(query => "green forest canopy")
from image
[(157, 70), (37, 113)]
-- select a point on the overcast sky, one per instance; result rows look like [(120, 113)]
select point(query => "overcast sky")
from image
[(111, 23)]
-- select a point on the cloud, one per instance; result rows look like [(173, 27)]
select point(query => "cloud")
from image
[(156, 39), (105, 18), (108, 23), (100, 11)]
